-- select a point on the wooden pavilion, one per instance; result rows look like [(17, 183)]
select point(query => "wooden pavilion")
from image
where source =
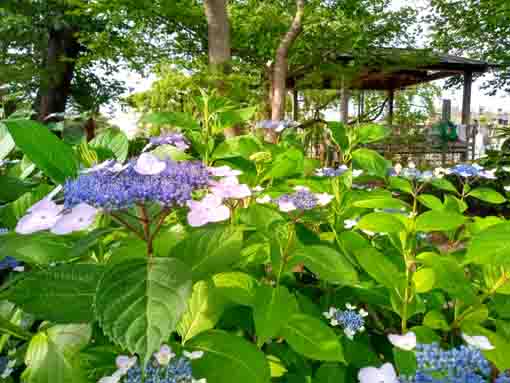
[(390, 70)]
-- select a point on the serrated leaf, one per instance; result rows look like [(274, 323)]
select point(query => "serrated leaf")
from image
[(73, 286), (52, 355), (369, 133), (229, 358), (210, 250), (380, 267), (443, 184), (330, 373), (54, 157), (327, 263), (370, 161), (240, 146), (381, 203), (113, 140), (401, 184), (312, 338), (424, 280), (431, 201), (491, 246), (487, 195), (238, 287), (272, 308), (381, 223), (139, 303), (204, 310), (439, 220)]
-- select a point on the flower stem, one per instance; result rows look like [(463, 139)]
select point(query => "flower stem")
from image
[(128, 226)]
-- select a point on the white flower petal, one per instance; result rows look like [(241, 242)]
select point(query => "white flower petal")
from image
[(478, 341), (405, 342), (148, 164)]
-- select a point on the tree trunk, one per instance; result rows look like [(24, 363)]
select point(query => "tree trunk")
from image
[(63, 50), (218, 34), (280, 69)]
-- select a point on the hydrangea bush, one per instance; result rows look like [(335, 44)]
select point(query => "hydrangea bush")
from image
[(241, 260)]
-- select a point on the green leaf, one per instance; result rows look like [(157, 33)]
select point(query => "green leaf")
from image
[(435, 220), (379, 267), (73, 286), (424, 280), (231, 118), (113, 140), (286, 164), (381, 203), (39, 248), (372, 132), (450, 276), (381, 223), (210, 250), (401, 184), (454, 204), (7, 327), (491, 246), (139, 303), (339, 134), (12, 188), (371, 161), (238, 287), (170, 152), (260, 216), (239, 146), (272, 309), (204, 310), (443, 184), (13, 211), (176, 119), (229, 358), (405, 361), (6, 142), (330, 373), (487, 195), (53, 355), (431, 201), (436, 320), (312, 338), (327, 263), (54, 157)]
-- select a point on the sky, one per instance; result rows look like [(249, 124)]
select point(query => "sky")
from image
[(127, 119)]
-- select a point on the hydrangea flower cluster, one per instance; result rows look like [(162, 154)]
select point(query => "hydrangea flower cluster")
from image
[(461, 170), (351, 320), (412, 173), (461, 364), (6, 367), (277, 126), (147, 179), (301, 199), (175, 139), (470, 171), (164, 367), (331, 172)]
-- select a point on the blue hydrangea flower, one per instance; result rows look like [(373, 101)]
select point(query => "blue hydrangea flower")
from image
[(351, 320), (109, 190), (175, 139), (302, 199), (331, 172), (463, 364), (504, 377)]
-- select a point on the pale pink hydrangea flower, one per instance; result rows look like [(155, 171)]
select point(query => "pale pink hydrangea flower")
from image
[(41, 216), (79, 218), (209, 209), (224, 171), (148, 164), (229, 187)]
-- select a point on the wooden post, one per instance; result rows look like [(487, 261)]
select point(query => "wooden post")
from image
[(391, 103), (295, 105), (466, 98), (446, 112), (344, 105)]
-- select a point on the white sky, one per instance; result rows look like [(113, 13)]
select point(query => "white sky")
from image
[(127, 119)]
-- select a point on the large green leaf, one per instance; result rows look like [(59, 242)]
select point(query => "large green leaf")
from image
[(38, 248), (339, 134), (239, 146), (381, 223), (53, 355), (54, 157), (170, 152), (330, 373), (7, 327), (380, 267), (210, 250), (439, 220), (491, 246), (312, 338), (272, 309), (401, 184), (371, 161), (12, 188), (139, 303), (73, 287), (443, 184), (177, 119), (113, 140), (240, 288), (229, 118), (487, 195), (6, 142), (229, 358), (372, 132), (327, 263), (13, 211), (204, 310), (381, 203), (286, 164), (260, 216), (431, 201)]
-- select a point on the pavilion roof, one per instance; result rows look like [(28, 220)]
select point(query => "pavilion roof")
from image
[(385, 69)]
